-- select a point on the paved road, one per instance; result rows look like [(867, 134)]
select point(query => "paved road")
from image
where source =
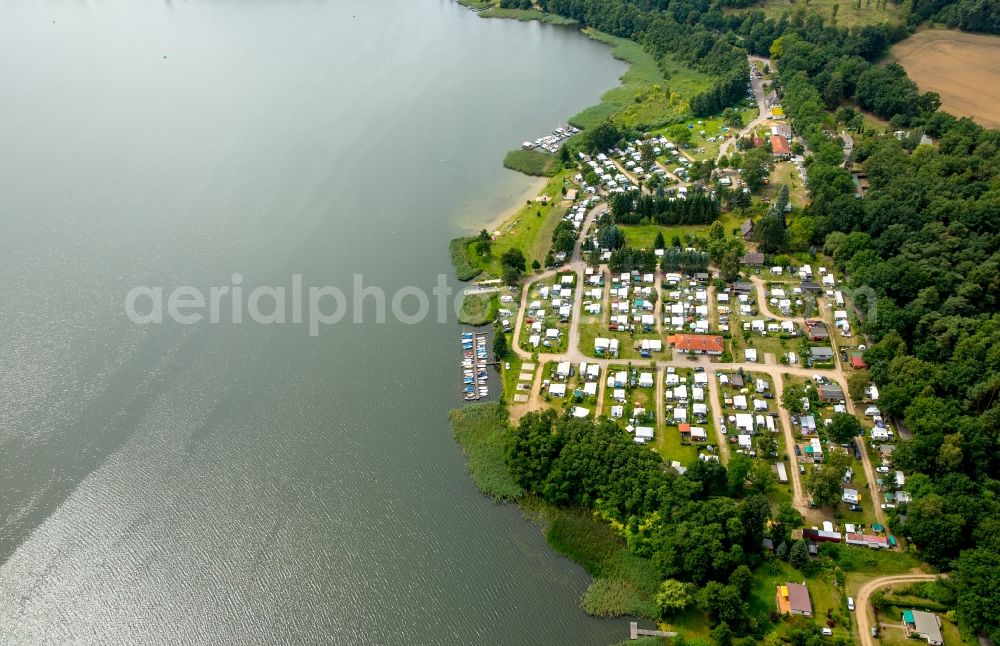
[(776, 372), (861, 601), (759, 95)]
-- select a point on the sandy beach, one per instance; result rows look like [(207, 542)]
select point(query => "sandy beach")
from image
[(468, 220)]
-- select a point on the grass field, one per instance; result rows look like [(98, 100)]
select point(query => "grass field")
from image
[(645, 98), (700, 147), (532, 162), (847, 14), (959, 66), (785, 173), (822, 592), (479, 309), (510, 375), (643, 236)]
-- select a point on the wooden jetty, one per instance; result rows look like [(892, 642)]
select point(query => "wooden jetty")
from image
[(635, 632)]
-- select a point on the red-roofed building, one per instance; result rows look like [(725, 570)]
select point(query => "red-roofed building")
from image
[(697, 343), (779, 147), (685, 429), (858, 362)]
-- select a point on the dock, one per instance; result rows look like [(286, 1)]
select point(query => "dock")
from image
[(635, 632), (474, 362)]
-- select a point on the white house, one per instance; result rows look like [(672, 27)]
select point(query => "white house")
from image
[(643, 434), (653, 345)]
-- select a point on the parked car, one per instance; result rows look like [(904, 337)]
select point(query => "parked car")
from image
[(854, 506), (850, 603)]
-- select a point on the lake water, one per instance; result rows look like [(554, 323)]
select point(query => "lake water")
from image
[(230, 484)]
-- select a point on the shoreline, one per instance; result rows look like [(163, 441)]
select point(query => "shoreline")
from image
[(533, 191), (483, 444), (473, 225)]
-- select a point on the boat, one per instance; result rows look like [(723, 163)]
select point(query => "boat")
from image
[(475, 358)]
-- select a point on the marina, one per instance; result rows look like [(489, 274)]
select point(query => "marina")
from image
[(551, 142), (475, 358)]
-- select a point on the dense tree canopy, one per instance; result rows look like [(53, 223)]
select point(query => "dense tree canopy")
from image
[(673, 520), (697, 208)]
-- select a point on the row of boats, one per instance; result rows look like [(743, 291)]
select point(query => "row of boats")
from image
[(474, 359)]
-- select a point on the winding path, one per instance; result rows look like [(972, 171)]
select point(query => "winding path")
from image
[(861, 602), (758, 92)]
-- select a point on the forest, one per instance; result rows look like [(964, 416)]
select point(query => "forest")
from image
[(924, 240), (697, 208), (967, 15), (701, 531)]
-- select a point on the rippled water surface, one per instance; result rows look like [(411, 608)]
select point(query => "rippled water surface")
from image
[(224, 484)]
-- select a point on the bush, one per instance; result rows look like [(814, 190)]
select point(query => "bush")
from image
[(480, 430), (624, 584), (465, 268)]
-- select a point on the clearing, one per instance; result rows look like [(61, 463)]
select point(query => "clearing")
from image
[(961, 67), (848, 13)]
